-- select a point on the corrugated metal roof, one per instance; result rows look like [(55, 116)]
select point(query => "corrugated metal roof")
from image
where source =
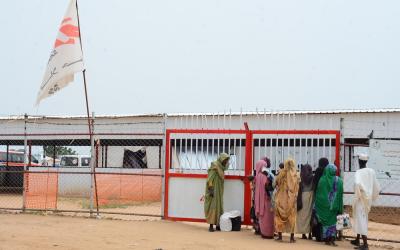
[(295, 112), (245, 113)]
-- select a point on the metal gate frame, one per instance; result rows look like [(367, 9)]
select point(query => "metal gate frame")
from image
[(249, 149)]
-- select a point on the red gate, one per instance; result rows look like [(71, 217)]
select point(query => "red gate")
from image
[(189, 153)]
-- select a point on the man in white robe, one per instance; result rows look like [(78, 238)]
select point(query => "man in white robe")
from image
[(366, 190)]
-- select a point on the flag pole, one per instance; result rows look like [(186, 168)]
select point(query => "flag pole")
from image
[(88, 113), (84, 73)]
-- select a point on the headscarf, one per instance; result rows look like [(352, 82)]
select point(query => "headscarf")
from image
[(260, 194), (331, 181), (289, 173), (306, 175), (268, 161), (289, 177), (322, 163), (219, 165), (286, 196)]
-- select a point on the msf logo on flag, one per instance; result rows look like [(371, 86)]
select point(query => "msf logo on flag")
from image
[(68, 33), (66, 57)]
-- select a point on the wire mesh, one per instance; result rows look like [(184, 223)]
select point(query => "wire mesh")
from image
[(123, 171)]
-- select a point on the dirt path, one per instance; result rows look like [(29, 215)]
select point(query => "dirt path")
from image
[(23, 231)]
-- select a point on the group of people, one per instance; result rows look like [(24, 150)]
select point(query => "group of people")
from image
[(297, 202)]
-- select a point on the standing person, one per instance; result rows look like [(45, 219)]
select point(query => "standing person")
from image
[(263, 208), (287, 188), (319, 172), (329, 203), (253, 215), (366, 190), (305, 202), (213, 205), (316, 227), (281, 166)]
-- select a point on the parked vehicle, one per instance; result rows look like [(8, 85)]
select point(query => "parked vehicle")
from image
[(16, 158), (14, 161), (75, 161)]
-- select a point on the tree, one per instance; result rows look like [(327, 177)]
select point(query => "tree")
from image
[(60, 150)]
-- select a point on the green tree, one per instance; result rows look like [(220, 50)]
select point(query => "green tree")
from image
[(60, 150)]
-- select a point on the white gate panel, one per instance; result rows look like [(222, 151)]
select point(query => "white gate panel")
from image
[(185, 198)]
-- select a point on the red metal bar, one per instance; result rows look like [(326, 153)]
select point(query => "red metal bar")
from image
[(337, 156), (205, 131), (296, 132), (97, 154), (186, 219), (203, 176), (167, 166), (247, 171), (30, 153), (7, 155)]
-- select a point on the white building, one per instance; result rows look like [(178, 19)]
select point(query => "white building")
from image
[(190, 153)]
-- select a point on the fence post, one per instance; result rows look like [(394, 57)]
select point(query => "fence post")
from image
[(342, 149), (164, 144), (92, 166), (25, 163)]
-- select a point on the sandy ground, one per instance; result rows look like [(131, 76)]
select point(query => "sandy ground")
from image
[(148, 208), (376, 230), (23, 231)]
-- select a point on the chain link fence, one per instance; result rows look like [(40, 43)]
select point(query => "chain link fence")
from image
[(113, 172)]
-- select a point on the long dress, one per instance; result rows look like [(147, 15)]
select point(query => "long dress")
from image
[(213, 204), (263, 205), (287, 186), (366, 190), (316, 227), (303, 225), (329, 201)]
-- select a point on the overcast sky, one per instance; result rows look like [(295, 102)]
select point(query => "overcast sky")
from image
[(208, 55)]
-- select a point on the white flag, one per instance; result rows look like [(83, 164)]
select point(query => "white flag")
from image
[(66, 57)]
